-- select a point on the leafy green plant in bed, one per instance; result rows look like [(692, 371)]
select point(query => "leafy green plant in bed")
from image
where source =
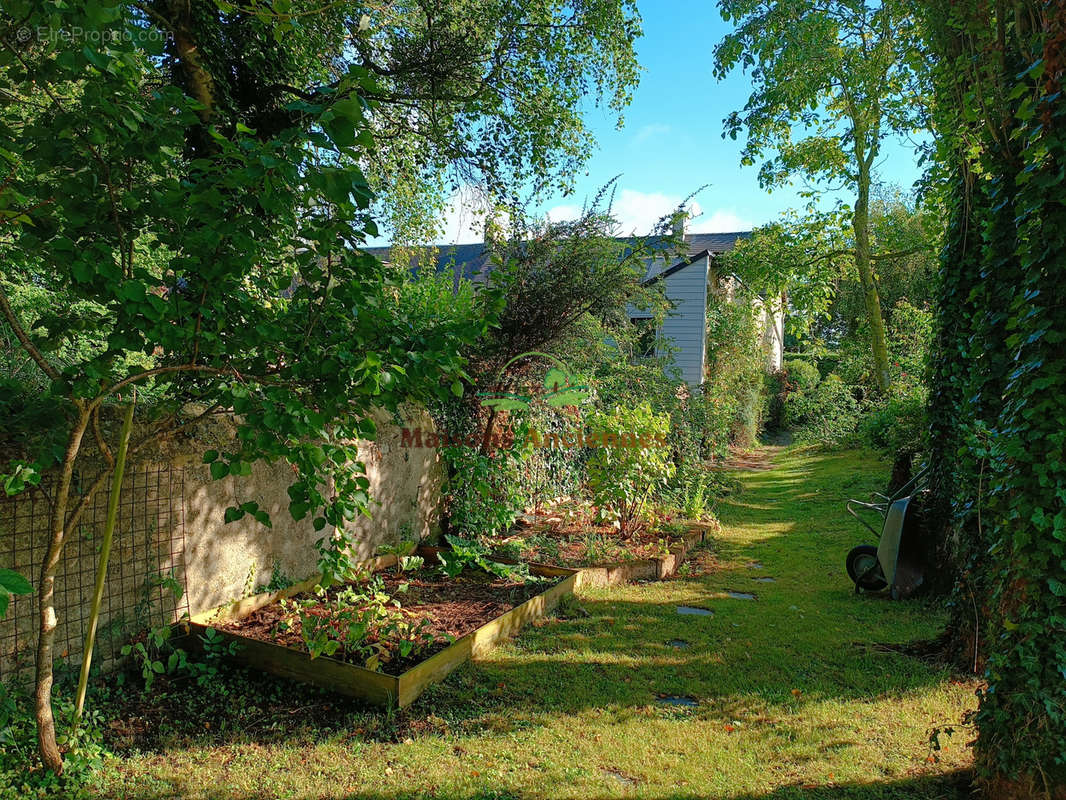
[(469, 554), (365, 623), (632, 464), (155, 655), (405, 561)]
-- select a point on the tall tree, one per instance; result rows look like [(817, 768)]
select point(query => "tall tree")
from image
[(196, 235), (840, 73), (486, 93), (998, 399)]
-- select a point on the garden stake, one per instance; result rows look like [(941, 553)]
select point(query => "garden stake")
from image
[(105, 553)]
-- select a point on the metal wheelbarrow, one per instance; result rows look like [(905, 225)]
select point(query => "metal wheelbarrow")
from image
[(895, 561)]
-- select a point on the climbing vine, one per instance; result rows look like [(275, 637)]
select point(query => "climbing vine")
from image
[(998, 399)]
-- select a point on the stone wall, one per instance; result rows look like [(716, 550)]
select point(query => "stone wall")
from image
[(173, 552)]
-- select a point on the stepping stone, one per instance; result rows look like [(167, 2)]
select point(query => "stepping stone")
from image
[(699, 612), (678, 644), (765, 580), (677, 700), (741, 595), (754, 565), (621, 777)]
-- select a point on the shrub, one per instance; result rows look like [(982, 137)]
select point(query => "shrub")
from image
[(622, 477), (484, 495), (897, 425), (828, 414), (692, 492), (802, 374), (736, 364)]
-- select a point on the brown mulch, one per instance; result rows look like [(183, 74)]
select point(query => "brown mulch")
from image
[(701, 561), (454, 608), (570, 536)]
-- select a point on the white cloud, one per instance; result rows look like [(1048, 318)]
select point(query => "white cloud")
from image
[(636, 212), (464, 217), (650, 131), (722, 220), (563, 213)]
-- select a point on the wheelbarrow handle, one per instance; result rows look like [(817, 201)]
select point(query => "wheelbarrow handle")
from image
[(913, 485), (879, 508)]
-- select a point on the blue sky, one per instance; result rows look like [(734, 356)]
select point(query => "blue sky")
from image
[(672, 139)]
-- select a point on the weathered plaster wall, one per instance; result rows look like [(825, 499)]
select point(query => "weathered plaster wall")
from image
[(223, 560)]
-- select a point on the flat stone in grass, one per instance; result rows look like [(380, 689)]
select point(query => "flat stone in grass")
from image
[(695, 611), (620, 776), (677, 700), (754, 565), (765, 580), (741, 595), (678, 644)]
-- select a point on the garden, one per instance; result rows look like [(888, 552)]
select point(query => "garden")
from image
[(287, 513)]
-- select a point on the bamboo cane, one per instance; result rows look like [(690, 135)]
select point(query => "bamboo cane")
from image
[(105, 554)]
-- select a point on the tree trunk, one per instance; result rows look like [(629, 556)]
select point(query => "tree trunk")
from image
[(860, 220), (46, 727)]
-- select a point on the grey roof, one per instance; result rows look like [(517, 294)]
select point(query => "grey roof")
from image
[(714, 243), (473, 257)]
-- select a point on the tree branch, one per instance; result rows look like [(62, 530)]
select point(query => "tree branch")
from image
[(24, 340)]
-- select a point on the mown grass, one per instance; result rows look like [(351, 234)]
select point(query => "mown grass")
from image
[(797, 695)]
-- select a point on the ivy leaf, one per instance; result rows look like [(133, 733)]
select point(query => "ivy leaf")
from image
[(14, 583)]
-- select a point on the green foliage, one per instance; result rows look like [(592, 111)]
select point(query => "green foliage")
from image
[(11, 583), (998, 392), (488, 94), (362, 622), (194, 224), (897, 425), (731, 404), (846, 75), (802, 374), (484, 495), (313, 331), (692, 491), (470, 554), (20, 773), (632, 464), (828, 414)]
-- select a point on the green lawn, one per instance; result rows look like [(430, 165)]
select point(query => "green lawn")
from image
[(797, 696)]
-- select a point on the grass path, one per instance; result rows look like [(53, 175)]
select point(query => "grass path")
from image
[(795, 695)]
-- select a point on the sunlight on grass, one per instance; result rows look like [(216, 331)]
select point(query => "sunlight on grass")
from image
[(792, 699)]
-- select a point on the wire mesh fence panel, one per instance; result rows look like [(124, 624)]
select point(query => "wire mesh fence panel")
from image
[(145, 584)]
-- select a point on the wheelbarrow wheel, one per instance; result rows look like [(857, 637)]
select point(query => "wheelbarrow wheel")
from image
[(864, 569)]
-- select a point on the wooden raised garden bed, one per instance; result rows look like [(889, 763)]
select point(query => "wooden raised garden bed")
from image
[(378, 687), (646, 569), (639, 568)]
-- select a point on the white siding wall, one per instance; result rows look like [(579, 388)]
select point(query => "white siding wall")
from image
[(686, 289)]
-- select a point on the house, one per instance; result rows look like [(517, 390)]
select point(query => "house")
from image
[(686, 284)]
